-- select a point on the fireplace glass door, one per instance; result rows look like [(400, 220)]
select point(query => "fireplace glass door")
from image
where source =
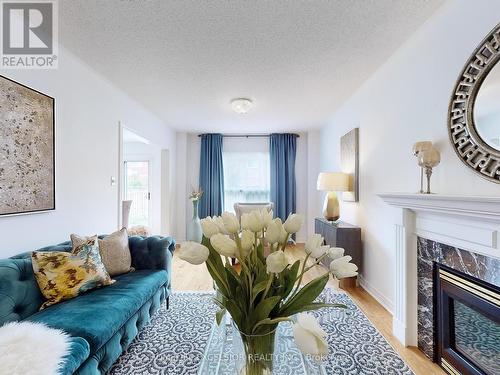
[(477, 337), (468, 322)]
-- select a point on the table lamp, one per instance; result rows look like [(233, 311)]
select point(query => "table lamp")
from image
[(332, 182)]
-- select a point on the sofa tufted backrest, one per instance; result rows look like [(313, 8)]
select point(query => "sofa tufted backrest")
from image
[(20, 295)]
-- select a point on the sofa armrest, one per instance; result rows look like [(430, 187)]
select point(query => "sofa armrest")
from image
[(151, 253)]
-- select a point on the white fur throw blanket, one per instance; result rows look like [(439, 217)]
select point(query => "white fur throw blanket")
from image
[(31, 349)]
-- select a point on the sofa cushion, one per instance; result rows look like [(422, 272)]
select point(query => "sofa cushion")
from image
[(115, 253), (63, 275), (102, 360), (98, 314)]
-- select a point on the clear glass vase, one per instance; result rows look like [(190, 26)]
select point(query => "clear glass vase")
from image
[(254, 353)]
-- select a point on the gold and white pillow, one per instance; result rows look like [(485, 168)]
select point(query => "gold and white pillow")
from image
[(63, 275)]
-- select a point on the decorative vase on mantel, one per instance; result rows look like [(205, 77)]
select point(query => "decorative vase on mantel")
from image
[(194, 232)]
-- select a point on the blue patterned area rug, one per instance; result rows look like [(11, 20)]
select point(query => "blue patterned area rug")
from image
[(174, 341)]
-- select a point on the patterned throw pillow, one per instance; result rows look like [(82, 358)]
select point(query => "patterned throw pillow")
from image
[(114, 250), (62, 275)]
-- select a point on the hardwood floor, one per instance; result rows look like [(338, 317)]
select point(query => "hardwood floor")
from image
[(187, 277)]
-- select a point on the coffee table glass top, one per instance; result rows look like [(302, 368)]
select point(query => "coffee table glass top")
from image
[(220, 359)]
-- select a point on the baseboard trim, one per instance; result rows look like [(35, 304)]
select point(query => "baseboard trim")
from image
[(375, 293)]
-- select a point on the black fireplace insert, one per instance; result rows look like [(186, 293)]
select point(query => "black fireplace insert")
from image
[(467, 318)]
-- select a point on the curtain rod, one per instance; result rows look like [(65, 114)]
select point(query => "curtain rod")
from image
[(246, 135)]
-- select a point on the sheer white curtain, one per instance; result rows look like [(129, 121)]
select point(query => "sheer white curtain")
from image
[(246, 171)]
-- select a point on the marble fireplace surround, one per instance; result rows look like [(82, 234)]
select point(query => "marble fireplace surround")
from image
[(468, 223), (430, 252)]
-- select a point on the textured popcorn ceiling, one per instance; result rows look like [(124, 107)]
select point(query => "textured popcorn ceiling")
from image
[(184, 60)]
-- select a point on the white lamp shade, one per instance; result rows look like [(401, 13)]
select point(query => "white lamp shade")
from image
[(333, 181)]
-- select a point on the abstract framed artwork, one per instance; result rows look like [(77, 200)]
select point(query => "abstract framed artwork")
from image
[(349, 161), (27, 149)]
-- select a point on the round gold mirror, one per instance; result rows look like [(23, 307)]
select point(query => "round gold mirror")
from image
[(474, 111), (487, 109)]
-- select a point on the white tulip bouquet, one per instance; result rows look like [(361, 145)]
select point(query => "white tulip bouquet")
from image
[(265, 290)]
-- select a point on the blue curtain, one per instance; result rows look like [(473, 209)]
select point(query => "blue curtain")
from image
[(282, 151), (211, 175)]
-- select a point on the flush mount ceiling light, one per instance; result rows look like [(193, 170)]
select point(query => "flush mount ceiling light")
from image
[(241, 105)]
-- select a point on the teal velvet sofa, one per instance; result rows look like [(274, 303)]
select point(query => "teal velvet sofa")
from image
[(101, 322)]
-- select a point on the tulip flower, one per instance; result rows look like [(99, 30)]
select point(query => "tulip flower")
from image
[(283, 233), (309, 337), (293, 223), (276, 262), (224, 245), (314, 246), (252, 221), (273, 232), (231, 223), (320, 251), (209, 227), (266, 216), (342, 268), (335, 252), (247, 241), (193, 252), (220, 224)]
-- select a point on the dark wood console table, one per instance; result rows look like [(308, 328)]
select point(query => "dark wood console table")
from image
[(341, 234)]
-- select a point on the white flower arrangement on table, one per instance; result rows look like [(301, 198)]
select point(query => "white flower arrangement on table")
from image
[(266, 290)]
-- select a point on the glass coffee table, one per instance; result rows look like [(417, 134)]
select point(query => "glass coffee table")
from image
[(220, 358)]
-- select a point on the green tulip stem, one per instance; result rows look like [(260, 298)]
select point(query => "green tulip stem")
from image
[(283, 245), (237, 239), (302, 273), (255, 248), (244, 266), (268, 286), (304, 269), (318, 261), (218, 275)]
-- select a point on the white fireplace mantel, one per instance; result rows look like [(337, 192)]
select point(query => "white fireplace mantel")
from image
[(467, 222)]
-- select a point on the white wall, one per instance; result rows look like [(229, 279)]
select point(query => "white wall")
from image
[(188, 157), (405, 101), (188, 167), (88, 110)]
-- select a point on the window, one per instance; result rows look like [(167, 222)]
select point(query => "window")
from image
[(246, 177), (137, 189)]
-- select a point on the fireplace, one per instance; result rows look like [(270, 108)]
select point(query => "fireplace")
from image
[(447, 223), (467, 318), (432, 256)]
